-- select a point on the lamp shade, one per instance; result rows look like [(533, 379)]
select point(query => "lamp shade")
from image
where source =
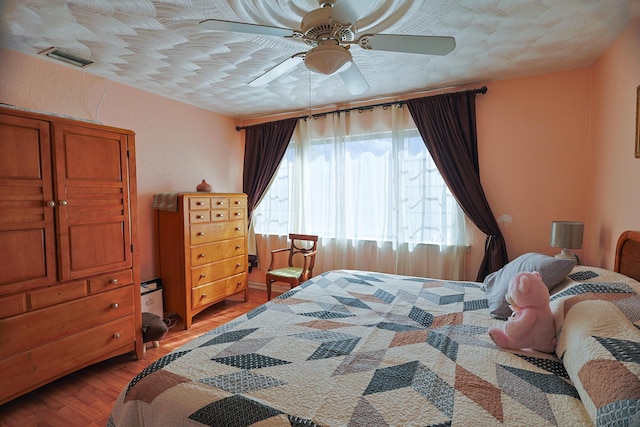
[(566, 234), (327, 58)]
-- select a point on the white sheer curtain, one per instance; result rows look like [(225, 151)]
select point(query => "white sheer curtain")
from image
[(365, 183)]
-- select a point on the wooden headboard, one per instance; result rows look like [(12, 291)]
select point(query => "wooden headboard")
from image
[(628, 254)]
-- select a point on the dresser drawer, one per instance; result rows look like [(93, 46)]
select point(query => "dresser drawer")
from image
[(218, 270), (218, 290), (12, 305), (199, 203), (219, 202), (196, 217), (110, 281), (35, 328), (217, 251), (219, 214), (206, 233), (238, 202), (237, 213), (32, 368), (57, 294)]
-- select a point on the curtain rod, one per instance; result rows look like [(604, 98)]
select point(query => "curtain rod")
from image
[(481, 90)]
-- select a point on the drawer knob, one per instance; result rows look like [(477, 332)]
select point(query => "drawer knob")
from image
[(201, 256), (219, 215), (199, 216), (201, 233), (63, 203), (198, 203), (116, 335), (237, 228), (238, 247), (202, 276), (237, 214), (51, 203), (236, 202), (113, 281), (237, 265), (115, 305), (203, 296), (219, 203)]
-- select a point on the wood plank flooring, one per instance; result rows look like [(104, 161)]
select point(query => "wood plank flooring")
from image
[(85, 398)]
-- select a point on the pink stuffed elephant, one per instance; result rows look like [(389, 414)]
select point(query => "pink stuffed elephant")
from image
[(531, 324)]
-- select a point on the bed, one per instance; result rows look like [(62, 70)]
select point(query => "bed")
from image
[(357, 348)]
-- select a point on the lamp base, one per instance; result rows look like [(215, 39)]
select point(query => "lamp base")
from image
[(567, 254)]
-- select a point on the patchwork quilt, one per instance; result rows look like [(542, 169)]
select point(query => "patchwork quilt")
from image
[(597, 315), (355, 348)]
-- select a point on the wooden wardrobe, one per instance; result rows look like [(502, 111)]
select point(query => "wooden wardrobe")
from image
[(70, 274)]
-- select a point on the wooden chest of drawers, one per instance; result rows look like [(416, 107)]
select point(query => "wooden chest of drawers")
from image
[(202, 251)]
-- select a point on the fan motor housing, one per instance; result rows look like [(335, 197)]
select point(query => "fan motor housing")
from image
[(318, 25)]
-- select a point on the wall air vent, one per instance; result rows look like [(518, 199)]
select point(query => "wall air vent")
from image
[(67, 57)]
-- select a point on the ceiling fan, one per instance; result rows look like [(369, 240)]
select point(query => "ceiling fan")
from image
[(330, 32)]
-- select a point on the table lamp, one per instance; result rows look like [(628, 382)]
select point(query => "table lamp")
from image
[(567, 235)]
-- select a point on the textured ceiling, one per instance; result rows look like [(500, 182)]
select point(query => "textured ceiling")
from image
[(158, 46)]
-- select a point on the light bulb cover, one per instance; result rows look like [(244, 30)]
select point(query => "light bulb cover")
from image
[(328, 58)]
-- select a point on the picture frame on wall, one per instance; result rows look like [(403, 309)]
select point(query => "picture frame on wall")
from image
[(638, 122)]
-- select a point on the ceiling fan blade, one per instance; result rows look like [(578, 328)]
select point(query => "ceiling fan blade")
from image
[(354, 80), (240, 27), (347, 11), (277, 71), (427, 45)]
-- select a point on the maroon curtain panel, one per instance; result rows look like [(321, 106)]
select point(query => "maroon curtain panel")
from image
[(264, 147), (447, 124)]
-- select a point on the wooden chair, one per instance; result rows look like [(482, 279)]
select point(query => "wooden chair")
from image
[(293, 275)]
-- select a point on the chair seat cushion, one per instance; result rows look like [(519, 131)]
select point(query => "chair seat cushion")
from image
[(286, 272)]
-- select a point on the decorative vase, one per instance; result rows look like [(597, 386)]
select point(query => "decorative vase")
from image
[(203, 187)]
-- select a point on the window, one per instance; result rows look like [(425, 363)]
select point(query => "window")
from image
[(342, 181)]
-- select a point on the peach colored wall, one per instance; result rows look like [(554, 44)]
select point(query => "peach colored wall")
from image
[(532, 140), (614, 200), (177, 145)]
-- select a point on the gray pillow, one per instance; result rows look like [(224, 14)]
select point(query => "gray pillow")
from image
[(552, 270)]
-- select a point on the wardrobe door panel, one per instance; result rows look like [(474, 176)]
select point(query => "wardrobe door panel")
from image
[(26, 205), (92, 188)]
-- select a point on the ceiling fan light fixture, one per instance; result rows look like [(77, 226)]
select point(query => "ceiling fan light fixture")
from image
[(328, 58)]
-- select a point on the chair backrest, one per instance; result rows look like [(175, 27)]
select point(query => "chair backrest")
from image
[(302, 244)]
